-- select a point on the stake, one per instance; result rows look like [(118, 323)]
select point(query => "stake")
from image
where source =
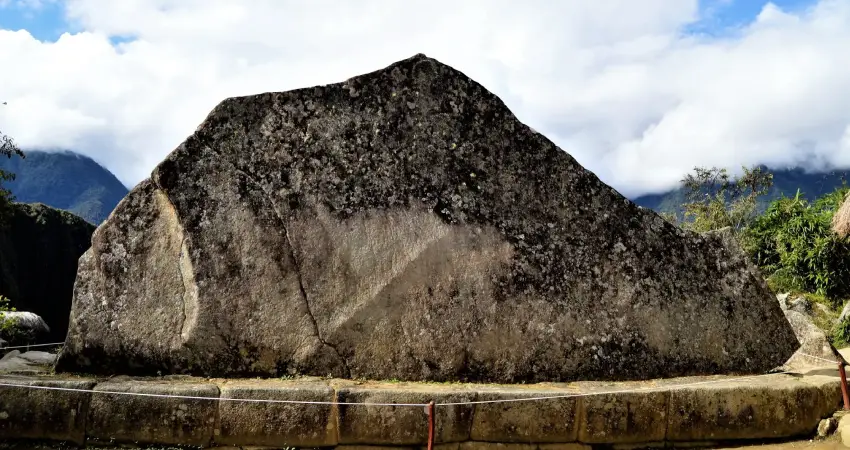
[(844, 385), (431, 421)]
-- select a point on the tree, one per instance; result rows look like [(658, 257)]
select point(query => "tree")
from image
[(714, 200), (8, 148)]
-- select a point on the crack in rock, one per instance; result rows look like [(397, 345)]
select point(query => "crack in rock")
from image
[(298, 275)]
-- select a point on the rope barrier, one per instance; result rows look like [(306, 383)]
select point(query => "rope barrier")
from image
[(418, 405), (429, 405), (33, 345)]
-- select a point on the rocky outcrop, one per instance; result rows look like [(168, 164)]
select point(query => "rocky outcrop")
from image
[(404, 224), (815, 350), (39, 249)]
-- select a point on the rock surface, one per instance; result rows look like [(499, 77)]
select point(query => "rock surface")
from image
[(404, 224), (39, 249), (826, 427), (33, 361), (815, 349)]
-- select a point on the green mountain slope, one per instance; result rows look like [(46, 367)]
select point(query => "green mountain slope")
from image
[(785, 182), (67, 181)]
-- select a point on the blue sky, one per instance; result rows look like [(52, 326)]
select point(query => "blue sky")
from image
[(612, 82), (47, 21)]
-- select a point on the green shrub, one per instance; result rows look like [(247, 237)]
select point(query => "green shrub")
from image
[(793, 243), (7, 327)]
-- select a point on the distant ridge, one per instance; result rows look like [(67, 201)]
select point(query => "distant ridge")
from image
[(785, 182), (65, 180)]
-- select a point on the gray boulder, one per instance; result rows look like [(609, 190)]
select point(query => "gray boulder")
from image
[(815, 349), (404, 224), (23, 327), (34, 361)]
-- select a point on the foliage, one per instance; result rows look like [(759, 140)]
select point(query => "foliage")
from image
[(8, 148), (7, 327), (794, 244), (714, 200)]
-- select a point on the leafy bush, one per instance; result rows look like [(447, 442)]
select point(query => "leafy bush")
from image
[(794, 244), (7, 327)]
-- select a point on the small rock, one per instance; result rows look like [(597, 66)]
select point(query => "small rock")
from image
[(845, 313), (801, 305), (827, 426), (783, 300)]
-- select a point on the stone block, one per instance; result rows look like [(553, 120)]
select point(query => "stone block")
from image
[(277, 424), (402, 425), (541, 421), (844, 430), (118, 414), (760, 408), (28, 413), (624, 418), (474, 445)]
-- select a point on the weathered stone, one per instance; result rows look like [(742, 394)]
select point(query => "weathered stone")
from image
[(27, 413), (830, 388), (767, 407), (381, 447), (783, 300), (815, 349), (844, 430), (800, 304), (827, 426), (550, 420), (405, 225), (402, 425), (34, 361), (277, 424), (116, 416), (573, 446), (622, 418), (845, 313), (39, 249), (472, 445)]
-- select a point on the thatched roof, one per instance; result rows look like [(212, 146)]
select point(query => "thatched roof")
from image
[(841, 219)]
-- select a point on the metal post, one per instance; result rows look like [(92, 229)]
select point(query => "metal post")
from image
[(431, 422), (844, 386)]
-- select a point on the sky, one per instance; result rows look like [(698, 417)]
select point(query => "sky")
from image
[(638, 91)]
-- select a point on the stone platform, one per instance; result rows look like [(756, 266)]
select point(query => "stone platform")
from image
[(225, 413)]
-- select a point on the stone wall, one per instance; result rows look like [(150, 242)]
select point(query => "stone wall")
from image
[(221, 412)]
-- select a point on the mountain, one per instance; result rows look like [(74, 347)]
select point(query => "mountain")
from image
[(67, 181), (785, 182)]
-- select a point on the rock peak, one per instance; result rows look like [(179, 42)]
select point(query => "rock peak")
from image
[(404, 224)]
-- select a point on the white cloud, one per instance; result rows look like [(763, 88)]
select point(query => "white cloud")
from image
[(613, 82)]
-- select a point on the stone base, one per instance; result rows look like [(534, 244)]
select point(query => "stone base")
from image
[(661, 413)]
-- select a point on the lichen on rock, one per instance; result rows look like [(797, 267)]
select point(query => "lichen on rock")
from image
[(404, 224)]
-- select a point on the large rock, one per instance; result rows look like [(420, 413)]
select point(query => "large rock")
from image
[(815, 349), (404, 224), (39, 249)]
